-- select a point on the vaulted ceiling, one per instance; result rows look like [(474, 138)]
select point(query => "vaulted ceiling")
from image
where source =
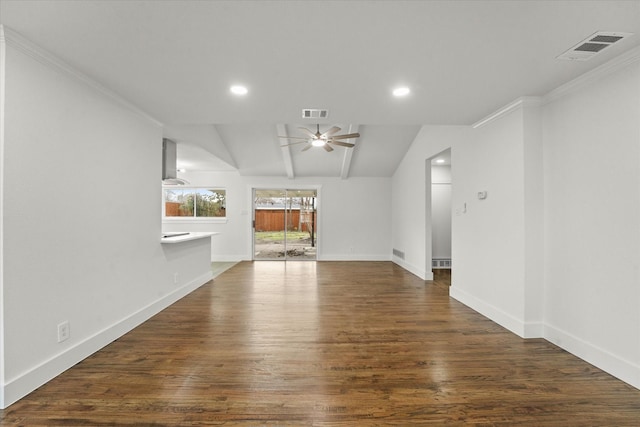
[(176, 60)]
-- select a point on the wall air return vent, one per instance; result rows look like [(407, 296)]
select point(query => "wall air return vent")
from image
[(593, 44), (314, 113), (441, 263), (398, 253)]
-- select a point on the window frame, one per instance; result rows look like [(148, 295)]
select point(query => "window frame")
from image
[(192, 219)]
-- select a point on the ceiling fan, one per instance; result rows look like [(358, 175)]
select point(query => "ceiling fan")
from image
[(324, 140)]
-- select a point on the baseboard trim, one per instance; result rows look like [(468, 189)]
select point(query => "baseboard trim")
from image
[(622, 369), (232, 258), (353, 257), (424, 275), (502, 318), (19, 387), (533, 330)]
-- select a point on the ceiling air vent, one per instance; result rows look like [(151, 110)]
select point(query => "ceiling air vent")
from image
[(593, 44), (314, 113)]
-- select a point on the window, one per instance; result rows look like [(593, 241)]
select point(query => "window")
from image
[(195, 203)]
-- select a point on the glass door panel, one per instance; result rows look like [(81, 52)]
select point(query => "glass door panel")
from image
[(301, 236), (285, 224)]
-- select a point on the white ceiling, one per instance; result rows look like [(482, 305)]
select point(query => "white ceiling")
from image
[(177, 59)]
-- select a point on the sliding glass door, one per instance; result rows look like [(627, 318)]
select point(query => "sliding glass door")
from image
[(284, 224)]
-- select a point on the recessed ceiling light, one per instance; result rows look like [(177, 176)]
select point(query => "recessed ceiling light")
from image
[(239, 90), (440, 161), (401, 91)]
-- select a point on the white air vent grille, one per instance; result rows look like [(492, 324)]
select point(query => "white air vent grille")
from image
[(591, 47), (314, 113), (398, 253), (593, 44), (441, 263)]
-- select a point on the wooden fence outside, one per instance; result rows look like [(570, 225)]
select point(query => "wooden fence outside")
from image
[(173, 209), (273, 220), (266, 219)]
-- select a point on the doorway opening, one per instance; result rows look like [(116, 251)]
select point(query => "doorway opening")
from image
[(441, 215), (285, 224)]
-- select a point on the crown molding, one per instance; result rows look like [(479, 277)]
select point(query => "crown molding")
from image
[(18, 42), (522, 102), (618, 63), (624, 60)]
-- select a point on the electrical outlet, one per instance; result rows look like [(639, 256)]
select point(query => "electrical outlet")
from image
[(64, 332)]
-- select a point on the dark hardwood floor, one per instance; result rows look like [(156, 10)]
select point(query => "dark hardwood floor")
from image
[(327, 344)]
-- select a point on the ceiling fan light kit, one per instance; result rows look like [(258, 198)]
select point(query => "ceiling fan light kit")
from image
[(318, 142), (324, 140), (401, 91)]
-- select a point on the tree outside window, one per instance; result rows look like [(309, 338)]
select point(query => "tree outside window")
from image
[(195, 202)]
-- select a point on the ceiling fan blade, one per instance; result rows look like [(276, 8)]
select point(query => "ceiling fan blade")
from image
[(293, 143), (308, 132), (341, 143), (346, 136), (330, 132), (327, 147), (293, 137), (307, 147)]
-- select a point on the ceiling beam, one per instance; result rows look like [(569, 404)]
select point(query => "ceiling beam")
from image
[(286, 152), (348, 154)]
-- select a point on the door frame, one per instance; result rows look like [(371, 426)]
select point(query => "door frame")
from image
[(319, 216)]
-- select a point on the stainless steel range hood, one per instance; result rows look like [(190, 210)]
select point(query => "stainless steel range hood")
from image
[(169, 163)]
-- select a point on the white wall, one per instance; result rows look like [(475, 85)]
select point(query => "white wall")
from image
[(533, 219), (489, 238), (495, 244), (354, 215), (441, 211), (81, 217), (592, 221), (554, 250), (411, 196)]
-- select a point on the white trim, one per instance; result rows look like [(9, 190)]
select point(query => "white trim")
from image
[(191, 219), (424, 275), (353, 257), (194, 220), (25, 46), (3, 51), (229, 258), (628, 58), (493, 313), (603, 70), (25, 383), (524, 101), (252, 217), (533, 330), (622, 369)]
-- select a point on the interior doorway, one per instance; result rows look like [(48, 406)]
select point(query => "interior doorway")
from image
[(285, 224), (441, 216)]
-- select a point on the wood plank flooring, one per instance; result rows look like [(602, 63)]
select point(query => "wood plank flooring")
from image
[(327, 344)]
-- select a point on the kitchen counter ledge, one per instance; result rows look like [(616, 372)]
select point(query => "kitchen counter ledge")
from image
[(179, 237)]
